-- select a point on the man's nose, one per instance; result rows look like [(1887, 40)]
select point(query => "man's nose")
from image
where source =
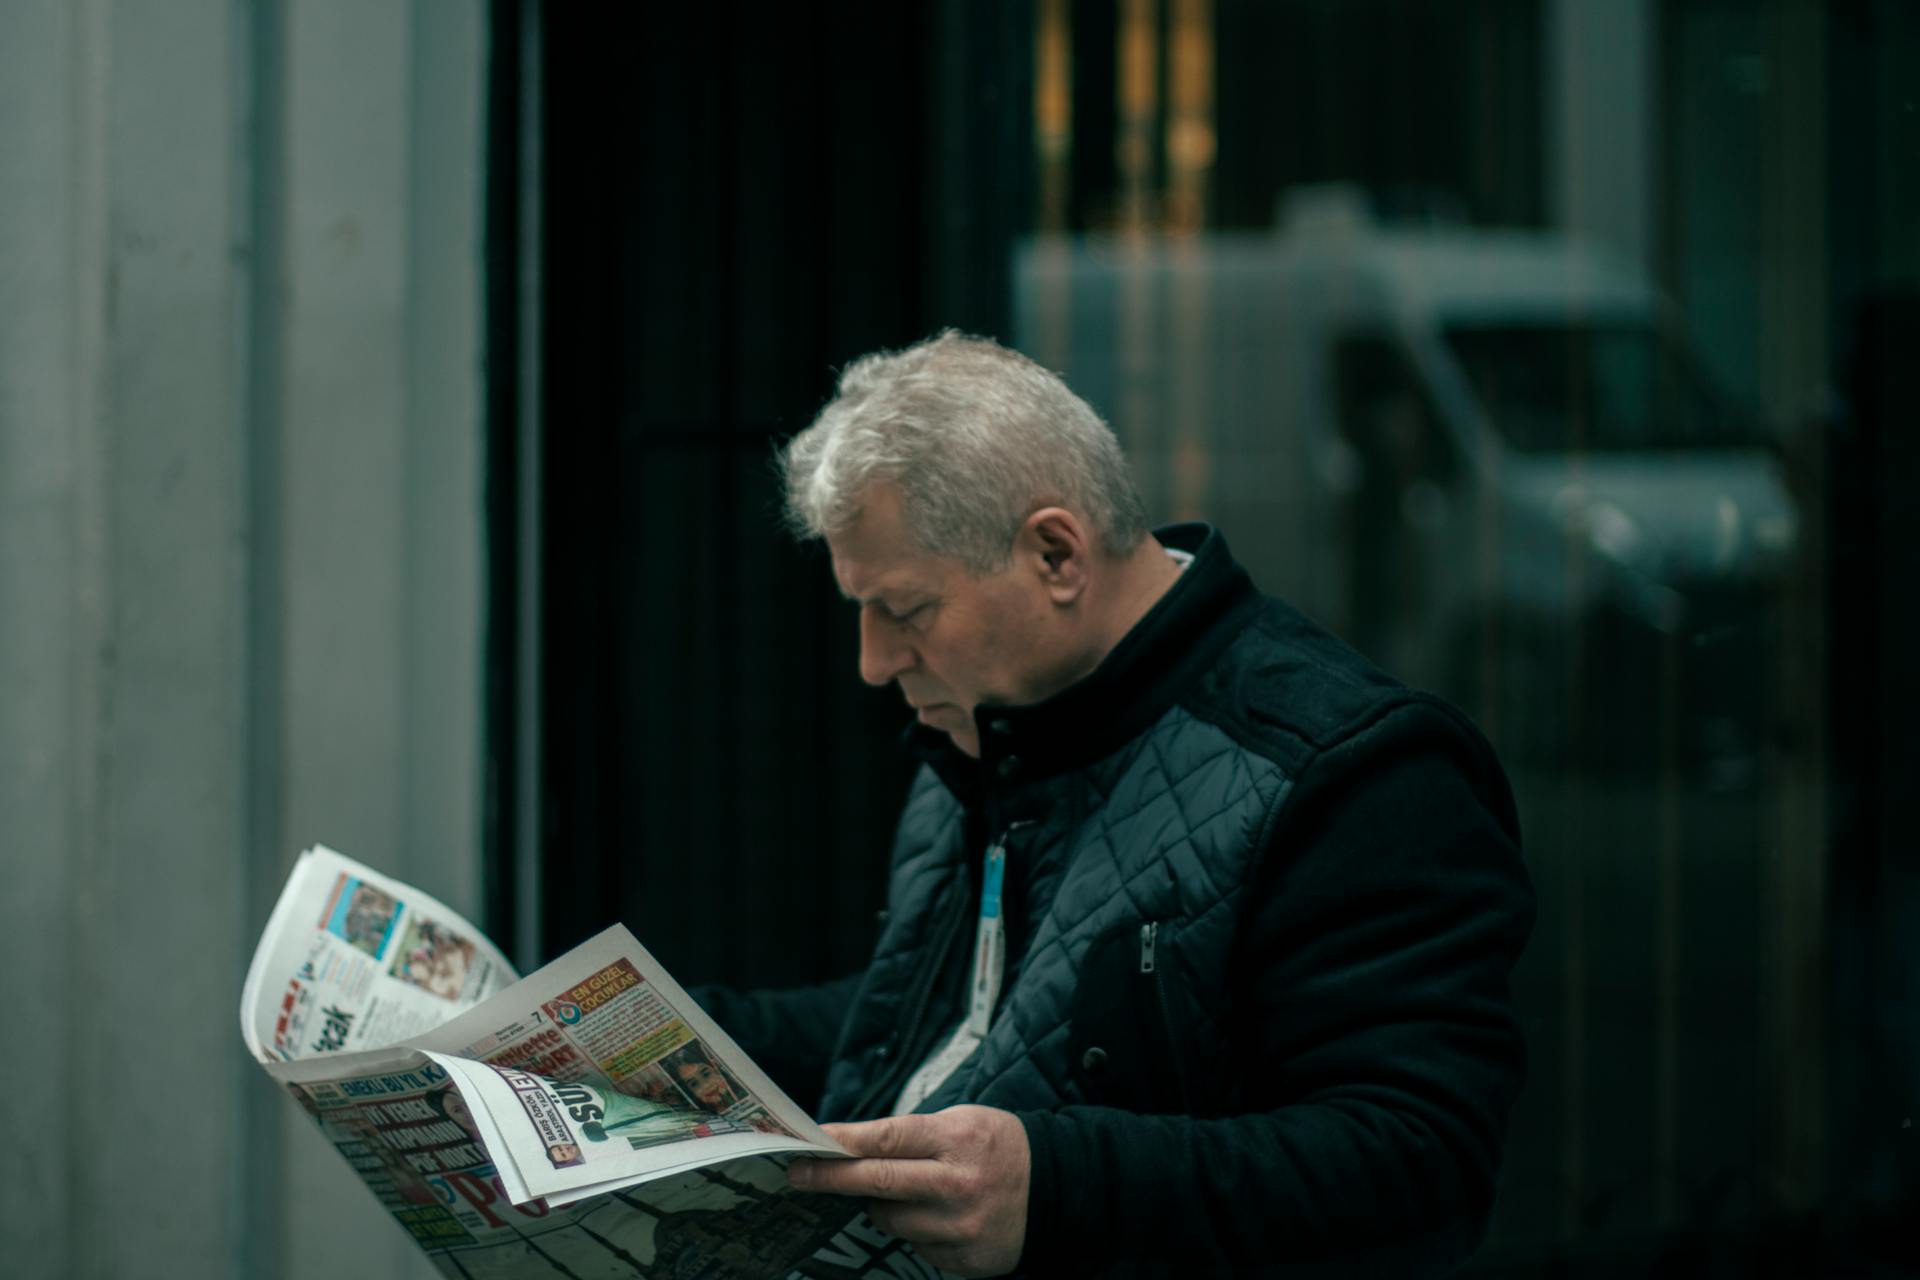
[(882, 653)]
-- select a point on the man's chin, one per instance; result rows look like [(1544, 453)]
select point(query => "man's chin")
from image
[(955, 723)]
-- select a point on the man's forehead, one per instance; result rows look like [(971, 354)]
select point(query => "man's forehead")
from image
[(875, 553), (864, 576)]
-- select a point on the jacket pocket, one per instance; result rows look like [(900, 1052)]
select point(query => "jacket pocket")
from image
[(1126, 1039)]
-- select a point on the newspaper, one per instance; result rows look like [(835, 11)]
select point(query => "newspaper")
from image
[(587, 1121)]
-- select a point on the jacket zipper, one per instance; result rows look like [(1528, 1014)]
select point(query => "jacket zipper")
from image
[(1150, 970), (894, 1078), (909, 1058)]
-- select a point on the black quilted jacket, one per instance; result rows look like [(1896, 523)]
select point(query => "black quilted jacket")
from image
[(1261, 906)]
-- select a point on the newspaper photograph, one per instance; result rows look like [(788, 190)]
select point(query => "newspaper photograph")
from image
[(352, 959), (589, 1120)]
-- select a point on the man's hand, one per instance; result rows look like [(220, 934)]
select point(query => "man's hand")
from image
[(954, 1183)]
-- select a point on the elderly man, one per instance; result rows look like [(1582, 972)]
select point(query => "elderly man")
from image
[(1198, 928)]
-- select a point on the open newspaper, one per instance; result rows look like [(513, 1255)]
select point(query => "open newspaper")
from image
[(587, 1121)]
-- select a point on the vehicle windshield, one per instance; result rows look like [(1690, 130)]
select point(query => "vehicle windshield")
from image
[(1624, 386)]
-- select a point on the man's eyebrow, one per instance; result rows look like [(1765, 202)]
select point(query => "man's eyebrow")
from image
[(887, 597)]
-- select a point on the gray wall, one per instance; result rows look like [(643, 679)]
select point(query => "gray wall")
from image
[(240, 582)]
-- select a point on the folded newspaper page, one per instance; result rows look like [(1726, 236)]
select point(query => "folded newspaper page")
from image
[(587, 1121)]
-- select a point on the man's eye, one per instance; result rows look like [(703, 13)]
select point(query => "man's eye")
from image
[(908, 615)]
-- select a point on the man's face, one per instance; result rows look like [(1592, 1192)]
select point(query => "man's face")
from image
[(950, 640)]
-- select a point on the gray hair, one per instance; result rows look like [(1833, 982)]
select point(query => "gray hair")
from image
[(975, 436)]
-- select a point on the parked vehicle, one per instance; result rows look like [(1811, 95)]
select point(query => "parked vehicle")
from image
[(1488, 458)]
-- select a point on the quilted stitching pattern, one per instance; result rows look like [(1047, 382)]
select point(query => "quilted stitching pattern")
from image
[(926, 853), (1169, 843), (1169, 828)]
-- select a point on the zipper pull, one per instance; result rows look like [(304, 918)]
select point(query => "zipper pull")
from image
[(998, 845), (1148, 932)]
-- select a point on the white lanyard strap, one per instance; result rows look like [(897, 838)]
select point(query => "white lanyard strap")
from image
[(989, 967), (990, 944)]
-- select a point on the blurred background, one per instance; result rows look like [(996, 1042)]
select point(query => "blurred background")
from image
[(388, 394)]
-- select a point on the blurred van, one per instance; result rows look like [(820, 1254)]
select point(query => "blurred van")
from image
[(1485, 457)]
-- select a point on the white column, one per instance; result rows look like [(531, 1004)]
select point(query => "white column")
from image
[(51, 584), (240, 581), (378, 461)]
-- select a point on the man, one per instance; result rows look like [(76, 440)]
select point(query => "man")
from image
[(1198, 927)]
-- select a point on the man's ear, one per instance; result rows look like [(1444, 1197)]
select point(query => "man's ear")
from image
[(1053, 543)]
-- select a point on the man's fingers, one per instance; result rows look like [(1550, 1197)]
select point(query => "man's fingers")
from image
[(898, 1160), (875, 1178), (955, 1183), (894, 1137)]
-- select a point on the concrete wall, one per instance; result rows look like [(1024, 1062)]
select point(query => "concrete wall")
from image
[(240, 582)]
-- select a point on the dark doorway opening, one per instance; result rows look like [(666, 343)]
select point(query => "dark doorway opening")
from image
[(731, 208)]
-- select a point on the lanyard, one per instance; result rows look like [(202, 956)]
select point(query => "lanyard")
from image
[(990, 943), (989, 967)]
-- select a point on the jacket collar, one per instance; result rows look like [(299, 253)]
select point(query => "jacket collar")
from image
[(1134, 685)]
